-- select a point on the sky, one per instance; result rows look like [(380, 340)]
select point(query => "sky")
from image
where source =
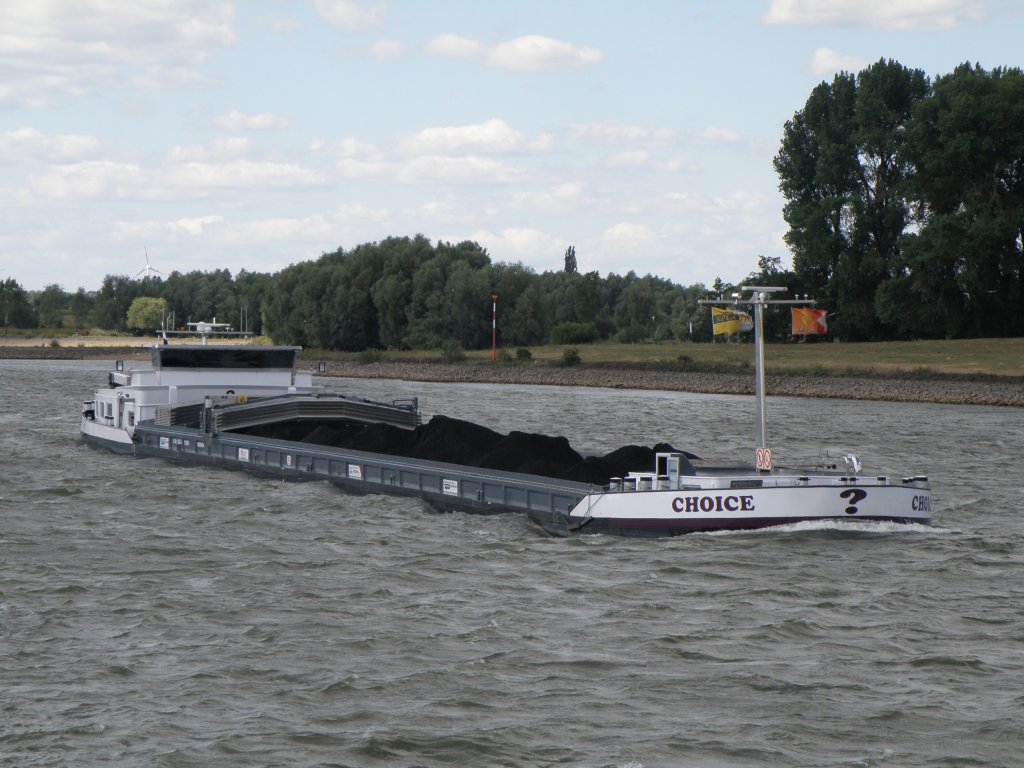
[(185, 135)]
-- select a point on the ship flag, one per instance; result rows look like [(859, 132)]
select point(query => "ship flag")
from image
[(808, 321), (729, 321)]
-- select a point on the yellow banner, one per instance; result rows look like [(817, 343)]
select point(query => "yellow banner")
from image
[(729, 321)]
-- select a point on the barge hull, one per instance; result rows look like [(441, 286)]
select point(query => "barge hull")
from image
[(557, 506), (445, 487)]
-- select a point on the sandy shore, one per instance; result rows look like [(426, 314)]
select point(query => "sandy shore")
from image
[(949, 389)]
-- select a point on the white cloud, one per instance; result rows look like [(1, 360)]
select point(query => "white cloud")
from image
[(233, 146), (825, 61), (739, 201), (345, 148), (27, 145), (198, 177), (239, 121), (623, 247), (351, 16), (50, 50), (881, 14), (286, 26), (623, 133), (513, 244), (358, 168), (199, 225), (625, 235), (87, 180), (455, 47), (492, 136), (181, 179), (459, 170), (675, 165), (536, 53), (727, 135), (435, 169), (354, 223), (446, 154), (449, 211), (636, 158), (561, 199), (530, 53), (387, 50)]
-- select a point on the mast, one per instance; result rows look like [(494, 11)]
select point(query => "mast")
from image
[(759, 393), (759, 298)]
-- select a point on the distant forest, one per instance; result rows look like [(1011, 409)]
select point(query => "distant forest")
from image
[(904, 200)]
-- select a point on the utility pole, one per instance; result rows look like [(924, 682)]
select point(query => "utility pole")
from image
[(494, 326)]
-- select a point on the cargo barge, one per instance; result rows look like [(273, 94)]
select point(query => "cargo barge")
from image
[(249, 408)]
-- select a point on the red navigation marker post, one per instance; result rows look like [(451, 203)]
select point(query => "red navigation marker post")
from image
[(494, 326)]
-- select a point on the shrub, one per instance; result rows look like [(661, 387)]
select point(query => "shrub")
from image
[(54, 343), (574, 333), (524, 355), (451, 352), (368, 356), (631, 334), (571, 356)]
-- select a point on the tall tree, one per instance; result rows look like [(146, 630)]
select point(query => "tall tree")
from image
[(570, 260), (147, 313), (887, 94), (50, 305), (817, 168), (392, 292), (116, 294), (843, 173), (81, 304), (963, 268), (15, 308)]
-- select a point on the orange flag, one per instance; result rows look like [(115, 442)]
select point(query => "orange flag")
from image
[(809, 322)]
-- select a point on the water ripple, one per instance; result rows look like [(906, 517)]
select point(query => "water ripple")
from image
[(156, 615)]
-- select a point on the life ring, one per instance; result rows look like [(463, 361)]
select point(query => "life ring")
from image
[(241, 399)]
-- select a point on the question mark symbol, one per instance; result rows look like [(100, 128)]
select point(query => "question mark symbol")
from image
[(854, 495)]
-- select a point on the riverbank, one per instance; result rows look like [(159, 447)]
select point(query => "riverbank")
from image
[(941, 388), (954, 390)]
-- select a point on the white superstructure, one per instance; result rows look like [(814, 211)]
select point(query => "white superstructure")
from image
[(189, 375)]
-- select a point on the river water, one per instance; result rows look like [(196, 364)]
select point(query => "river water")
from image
[(164, 616)]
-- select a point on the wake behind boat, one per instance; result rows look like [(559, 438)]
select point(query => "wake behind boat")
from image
[(249, 407)]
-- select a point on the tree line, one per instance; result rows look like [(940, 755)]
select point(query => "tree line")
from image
[(400, 293), (904, 199)]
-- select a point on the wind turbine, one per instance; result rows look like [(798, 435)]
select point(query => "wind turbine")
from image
[(149, 270)]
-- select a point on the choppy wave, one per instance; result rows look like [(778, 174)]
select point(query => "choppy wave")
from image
[(164, 616)]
